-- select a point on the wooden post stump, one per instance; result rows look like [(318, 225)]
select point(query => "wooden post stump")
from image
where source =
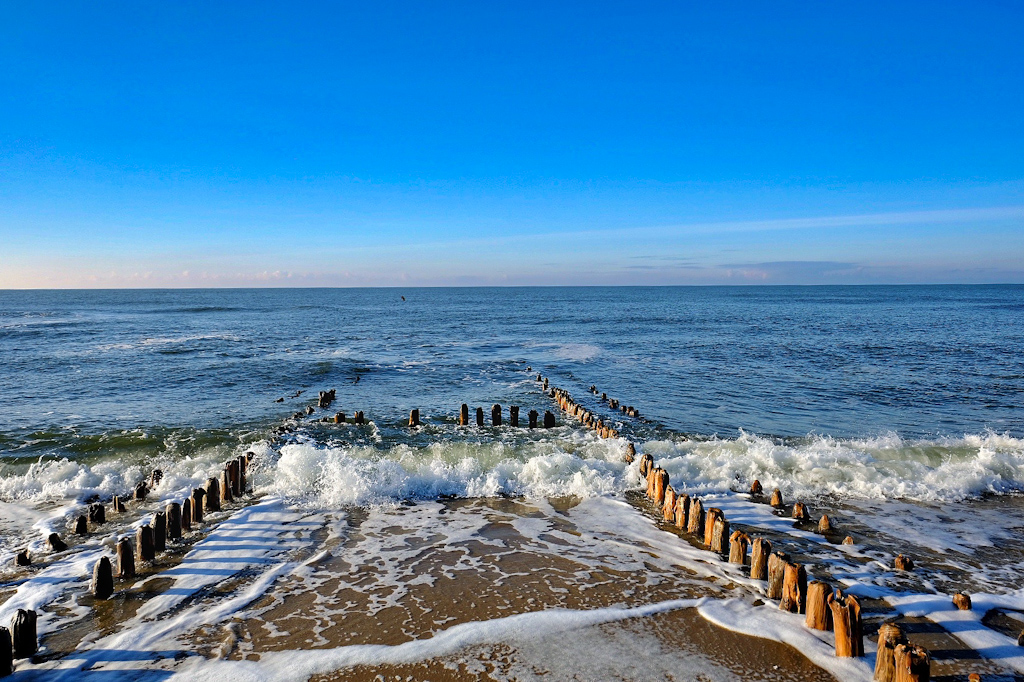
[(160, 531), (6, 653), (710, 517), (659, 484), (102, 579), (890, 636), (225, 485), (682, 511), (532, 416), (243, 465), (776, 500), (141, 490), (549, 420), (913, 663), (800, 512), (496, 414), (903, 563), (760, 550), (97, 514), (646, 464), (848, 540), (824, 525), (186, 515), (125, 559), (55, 544), (819, 615), (695, 524), (212, 495), (794, 589), (668, 510), (756, 489), (339, 418), (720, 535), (173, 511), (545, 384), (197, 505), (846, 623), (360, 418), (144, 543), (962, 601), (23, 632), (738, 543), (630, 452), (117, 504), (22, 558), (82, 525), (479, 416), (414, 418), (513, 416)]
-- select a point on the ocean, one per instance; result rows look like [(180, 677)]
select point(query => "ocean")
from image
[(500, 552)]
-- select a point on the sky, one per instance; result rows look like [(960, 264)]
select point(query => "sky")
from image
[(198, 144)]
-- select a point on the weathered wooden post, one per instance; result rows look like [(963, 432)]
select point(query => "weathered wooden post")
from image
[(962, 601), (533, 419), (630, 453), (339, 418), (549, 420), (243, 465), (23, 631), (6, 653), (819, 615), (414, 418), (890, 636), (760, 550), (496, 414), (102, 579), (225, 485), (97, 514), (794, 589), (848, 540), (117, 505), (658, 486), (903, 563), (360, 418), (712, 514), (125, 559), (756, 489), (913, 663), (479, 416), (668, 509), (696, 522), (800, 512), (55, 544), (22, 558), (682, 511), (197, 505), (777, 563), (646, 464), (513, 416), (186, 515), (141, 490), (173, 511), (720, 535), (846, 623), (776, 500), (160, 531), (81, 525), (738, 543), (545, 384), (824, 525), (144, 543), (212, 495)]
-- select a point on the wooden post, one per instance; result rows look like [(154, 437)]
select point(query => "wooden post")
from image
[(720, 535), (82, 525), (360, 417), (243, 465), (23, 631), (760, 550), (532, 417), (97, 514), (496, 414), (646, 464), (890, 636), (819, 615), (962, 601), (22, 558), (776, 500), (913, 663), (173, 511), (117, 504), (824, 525), (695, 524), (513, 416), (738, 543), (668, 510), (660, 483), (144, 543), (186, 515), (225, 484), (160, 531), (479, 416), (549, 420), (212, 495), (339, 418), (756, 489), (800, 512), (903, 563), (846, 622), (630, 453), (6, 653), (777, 563), (197, 505), (102, 579), (709, 524), (848, 540), (794, 589), (682, 511), (55, 544), (141, 490), (125, 559)]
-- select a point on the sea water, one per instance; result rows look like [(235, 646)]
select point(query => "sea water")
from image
[(894, 409)]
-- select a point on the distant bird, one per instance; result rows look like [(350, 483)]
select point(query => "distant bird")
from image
[(403, 298)]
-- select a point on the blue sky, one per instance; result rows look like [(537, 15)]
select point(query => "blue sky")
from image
[(304, 144)]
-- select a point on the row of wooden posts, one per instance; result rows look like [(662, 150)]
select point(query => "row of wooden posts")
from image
[(20, 641), (497, 418), (170, 524), (824, 608)]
